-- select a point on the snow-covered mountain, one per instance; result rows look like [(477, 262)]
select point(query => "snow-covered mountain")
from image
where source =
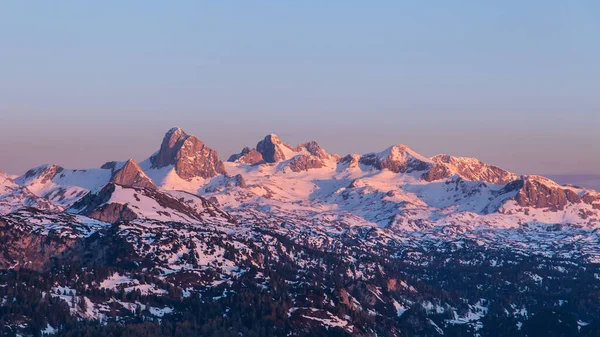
[(396, 188), (357, 233), (13, 196)]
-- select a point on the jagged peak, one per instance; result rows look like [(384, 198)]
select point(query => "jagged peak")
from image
[(46, 172), (273, 149), (188, 154), (468, 168), (175, 129), (247, 156), (131, 174), (316, 150), (273, 137)]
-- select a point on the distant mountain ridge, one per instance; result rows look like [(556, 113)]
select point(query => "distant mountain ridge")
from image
[(296, 241), (183, 162)]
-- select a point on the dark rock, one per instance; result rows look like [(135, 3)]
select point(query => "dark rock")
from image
[(539, 192), (190, 157), (247, 156), (131, 174), (305, 162), (468, 168), (271, 149)]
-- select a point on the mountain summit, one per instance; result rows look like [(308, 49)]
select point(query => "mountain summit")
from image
[(188, 155), (131, 175)]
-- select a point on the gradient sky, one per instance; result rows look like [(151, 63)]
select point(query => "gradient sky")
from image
[(514, 83)]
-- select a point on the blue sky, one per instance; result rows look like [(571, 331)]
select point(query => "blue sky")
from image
[(514, 83)]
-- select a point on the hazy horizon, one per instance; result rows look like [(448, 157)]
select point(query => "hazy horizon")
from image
[(513, 84)]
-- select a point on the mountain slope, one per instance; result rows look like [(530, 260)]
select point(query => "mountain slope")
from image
[(13, 197), (295, 241), (187, 155)]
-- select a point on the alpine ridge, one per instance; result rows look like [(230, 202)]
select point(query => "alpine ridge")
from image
[(296, 241)]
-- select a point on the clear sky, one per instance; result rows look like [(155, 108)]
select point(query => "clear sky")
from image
[(514, 83)]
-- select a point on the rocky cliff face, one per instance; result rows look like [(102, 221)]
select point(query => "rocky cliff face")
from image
[(316, 150), (305, 162), (350, 161), (31, 238), (540, 192), (189, 156), (468, 168), (132, 175), (44, 173), (273, 149), (247, 156)]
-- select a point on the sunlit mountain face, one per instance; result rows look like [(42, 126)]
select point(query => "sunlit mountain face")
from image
[(292, 240)]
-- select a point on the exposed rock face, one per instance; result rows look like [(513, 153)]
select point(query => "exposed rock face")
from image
[(539, 192), (14, 196), (350, 160), (592, 198), (131, 174), (44, 173), (190, 157), (247, 156), (28, 242), (468, 168), (272, 149), (398, 159), (438, 171), (238, 180), (305, 162)]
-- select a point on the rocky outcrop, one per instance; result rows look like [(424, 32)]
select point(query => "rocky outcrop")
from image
[(273, 149), (468, 168), (305, 162), (349, 161), (32, 238), (43, 173), (398, 159), (540, 192), (131, 174), (247, 156), (189, 156), (316, 150)]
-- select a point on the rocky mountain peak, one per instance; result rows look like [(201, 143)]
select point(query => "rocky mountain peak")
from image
[(171, 144), (540, 192), (468, 168), (247, 156), (315, 149), (398, 159), (42, 173), (273, 149), (132, 175), (189, 156)]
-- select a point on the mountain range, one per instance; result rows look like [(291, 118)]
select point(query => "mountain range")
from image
[(299, 241)]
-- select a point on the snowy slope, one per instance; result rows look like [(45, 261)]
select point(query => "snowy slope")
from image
[(63, 186), (14, 197)]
